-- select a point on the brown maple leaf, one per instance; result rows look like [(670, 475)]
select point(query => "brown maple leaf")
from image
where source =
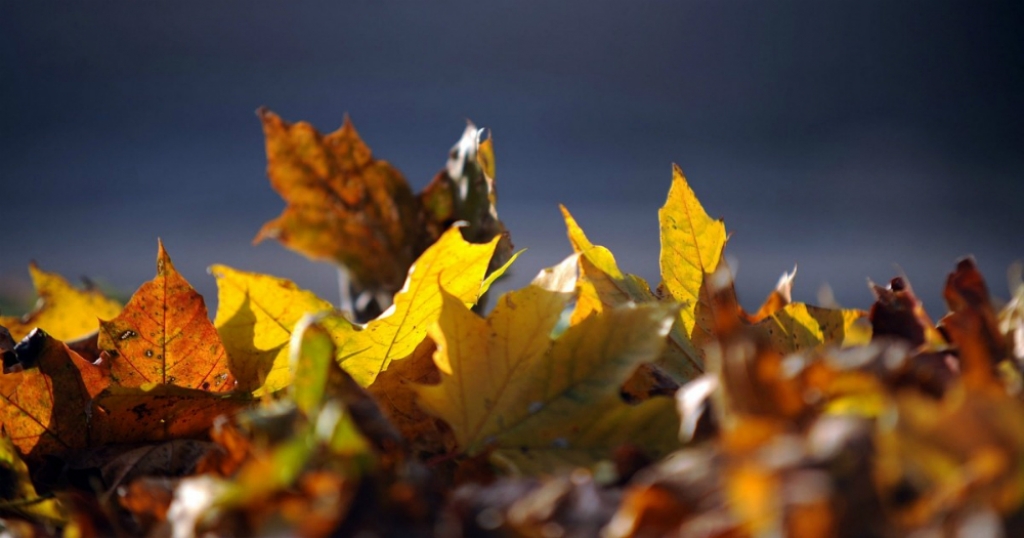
[(343, 205)]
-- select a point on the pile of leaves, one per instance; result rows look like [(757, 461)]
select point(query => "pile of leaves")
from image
[(585, 404)]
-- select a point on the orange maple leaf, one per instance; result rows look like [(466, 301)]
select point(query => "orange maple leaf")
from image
[(164, 336)]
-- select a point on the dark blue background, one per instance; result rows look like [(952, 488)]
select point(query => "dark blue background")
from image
[(846, 136)]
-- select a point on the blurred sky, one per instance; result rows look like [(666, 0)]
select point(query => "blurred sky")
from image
[(848, 137)]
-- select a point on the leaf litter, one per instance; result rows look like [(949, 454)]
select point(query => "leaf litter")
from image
[(585, 404)]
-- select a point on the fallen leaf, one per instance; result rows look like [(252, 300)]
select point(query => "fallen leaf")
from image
[(122, 463), (164, 335), (63, 311), (343, 205), (394, 390), (972, 325), (157, 412), (256, 315), (781, 296), (691, 250), (1011, 323), (802, 327), (452, 264), (43, 405), (506, 384), (898, 313), (603, 286)]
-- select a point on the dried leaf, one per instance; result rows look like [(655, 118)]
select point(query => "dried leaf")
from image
[(164, 335), (343, 205), (158, 412), (898, 313), (63, 311)]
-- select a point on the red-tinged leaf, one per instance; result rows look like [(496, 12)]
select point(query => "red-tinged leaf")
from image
[(164, 335)]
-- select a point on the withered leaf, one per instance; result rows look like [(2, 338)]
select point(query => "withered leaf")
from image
[(343, 205)]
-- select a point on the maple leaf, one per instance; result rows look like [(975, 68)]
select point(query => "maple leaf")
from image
[(343, 205), (602, 285), (506, 385), (256, 315), (693, 272), (452, 264), (43, 403), (157, 412), (63, 310), (164, 335), (691, 250)]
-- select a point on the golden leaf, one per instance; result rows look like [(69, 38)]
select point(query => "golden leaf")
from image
[(256, 315), (802, 327), (691, 249), (505, 384), (452, 264), (603, 286), (63, 311)]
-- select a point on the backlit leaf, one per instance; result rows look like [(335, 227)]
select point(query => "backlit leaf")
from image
[(505, 384), (801, 327), (43, 406), (691, 249), (452, 264), (164, 335), (63, 311), (256, 315), (602, 286)]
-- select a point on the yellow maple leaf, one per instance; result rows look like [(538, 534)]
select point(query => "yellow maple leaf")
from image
[(602, 285), (691, 250), (452, 264), (505, 384), (63, 311), (256, 315)]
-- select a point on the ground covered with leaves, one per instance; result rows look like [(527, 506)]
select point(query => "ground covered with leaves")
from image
[(585, 404)]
